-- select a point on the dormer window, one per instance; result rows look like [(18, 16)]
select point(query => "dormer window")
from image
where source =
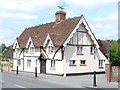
[(79, 50), (17, 50), (32, 49), (50, 49)]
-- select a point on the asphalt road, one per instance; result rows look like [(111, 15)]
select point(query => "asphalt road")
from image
[(14, 81)]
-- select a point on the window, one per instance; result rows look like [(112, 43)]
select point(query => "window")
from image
[(82, 62), (101, 63), (50, 49), (28, 63), (79, 50), (92, 50), (32, 49), (18, 62), (72, 63), (17, 50), (52, 63)]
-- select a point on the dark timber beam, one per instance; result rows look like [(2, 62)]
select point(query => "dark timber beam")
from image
[(56, 51), (82, 31), (62, 52), (78, 45), (42, 48)]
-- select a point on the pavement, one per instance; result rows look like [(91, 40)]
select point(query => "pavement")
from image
[(79, 81)]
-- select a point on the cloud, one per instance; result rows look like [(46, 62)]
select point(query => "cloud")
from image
[(26, 5), (18, 15), (107, 34), (106, 26), (112, 16), (89, 3)]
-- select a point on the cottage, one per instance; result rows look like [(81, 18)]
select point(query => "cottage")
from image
[(65, 46)]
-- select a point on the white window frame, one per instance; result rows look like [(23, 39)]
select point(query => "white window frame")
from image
[(79, 50), (101, 63), (82, 62), (72, 62), (53, 64), (50, 49), (28, 63)]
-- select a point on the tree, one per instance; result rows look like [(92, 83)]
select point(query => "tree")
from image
[(114, 53)]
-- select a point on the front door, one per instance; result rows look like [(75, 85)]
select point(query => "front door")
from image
[(43, 66)]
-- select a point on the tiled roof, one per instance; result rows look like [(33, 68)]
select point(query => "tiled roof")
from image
[(104, 46), (57, 31), (9, 54)]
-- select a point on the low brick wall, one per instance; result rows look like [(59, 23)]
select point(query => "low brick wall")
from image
[(114, 76)]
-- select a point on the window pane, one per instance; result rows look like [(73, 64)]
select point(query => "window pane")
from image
[(52, 63), (50, 49), (28, 63), (82, 61), (101, 63), (72, 62)]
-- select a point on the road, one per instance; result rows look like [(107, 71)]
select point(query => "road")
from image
[(14, 81)]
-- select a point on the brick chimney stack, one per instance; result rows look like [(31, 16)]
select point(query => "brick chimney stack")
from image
[(60, 14)]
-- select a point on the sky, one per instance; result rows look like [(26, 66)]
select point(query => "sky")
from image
[(16, 15)]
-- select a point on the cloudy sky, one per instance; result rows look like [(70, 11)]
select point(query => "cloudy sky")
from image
[(16, 15)]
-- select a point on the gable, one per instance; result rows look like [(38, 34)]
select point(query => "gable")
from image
[(48, 40), (16, 44), (82, 31), (30, 43)]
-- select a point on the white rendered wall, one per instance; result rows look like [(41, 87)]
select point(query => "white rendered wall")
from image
[(92, 64)]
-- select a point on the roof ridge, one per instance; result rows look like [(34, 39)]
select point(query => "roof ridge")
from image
[(39, 25), (53, 22)]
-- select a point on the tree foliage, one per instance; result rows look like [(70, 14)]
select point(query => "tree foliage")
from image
[(2, 47), (114, 52)]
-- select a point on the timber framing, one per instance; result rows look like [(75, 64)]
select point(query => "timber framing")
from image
[(82, 31), (79, 45), (62, 51)]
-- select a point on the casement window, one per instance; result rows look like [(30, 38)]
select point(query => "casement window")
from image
[(28, 63), (72, 62), (32, 49), (79, 50), (50, 49), (18, 62), (92, 49), (52, 63), (82, 62), (101, 63)]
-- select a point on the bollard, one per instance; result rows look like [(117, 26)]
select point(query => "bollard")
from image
[(94, 79), (35, 71), (1, 67), (17, 70)]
